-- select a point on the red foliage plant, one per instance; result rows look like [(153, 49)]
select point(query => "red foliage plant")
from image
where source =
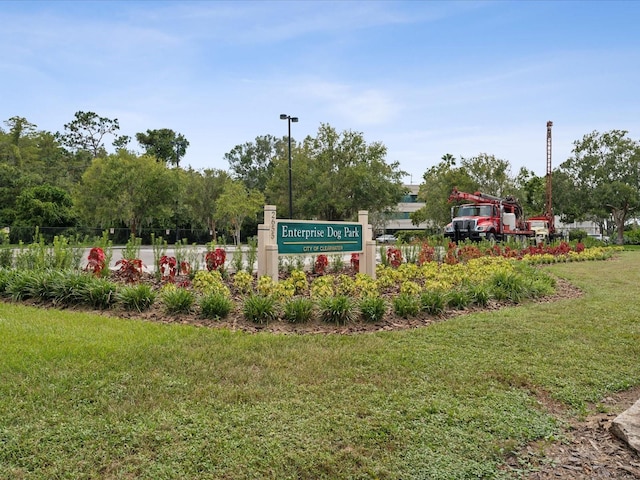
[(96, 261), (168, 268), (321, 264), (427, 254), (185, 268), (215, 259), (394, 256), (355, 262), (130, 269)]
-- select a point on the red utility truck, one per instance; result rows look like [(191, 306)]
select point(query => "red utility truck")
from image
[(487, 217)]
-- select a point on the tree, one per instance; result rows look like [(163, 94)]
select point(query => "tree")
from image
[(205, 189), (532, 191), (489, 174), (335, 175), (166, 145), (605, 172), (439, 181), (253, 163), (45, 206), (87, 131), (125, 188), (236, 204)]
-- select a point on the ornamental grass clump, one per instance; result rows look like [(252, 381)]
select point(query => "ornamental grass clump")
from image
[(176, 299), (260, 309), (339, 309), (101, 293), (508, 286), (6, 276), (433, 302), (70, 288), (458, 298), (373, 308), (406, 305), (298, 310), (215, 306), (136, 297), (479, 294)]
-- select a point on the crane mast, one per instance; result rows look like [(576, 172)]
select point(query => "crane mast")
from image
[(548, 207)]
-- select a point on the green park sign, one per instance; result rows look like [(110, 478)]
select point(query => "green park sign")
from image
[(319, 237)]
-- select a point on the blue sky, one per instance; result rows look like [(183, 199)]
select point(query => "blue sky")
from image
[(425, 78)]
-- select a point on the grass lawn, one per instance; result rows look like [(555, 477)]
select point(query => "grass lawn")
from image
[(87, 396)]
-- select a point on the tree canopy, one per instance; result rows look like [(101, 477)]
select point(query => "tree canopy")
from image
[(87, 132), (605, 172), (166, 145), (335, 175)]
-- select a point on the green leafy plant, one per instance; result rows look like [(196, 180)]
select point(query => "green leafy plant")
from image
[(252, 253), (236, 259), (373, 308), (337, 263), (136, 297), (132, 249), (215, 305), (73, 288), (159, 246), (298, 310), (260, 308), (243, 282), (339, 309), (210, 282)]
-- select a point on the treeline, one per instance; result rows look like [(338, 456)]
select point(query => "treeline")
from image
[(68, 183), (599, 182)]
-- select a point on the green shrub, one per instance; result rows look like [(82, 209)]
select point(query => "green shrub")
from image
[(298, 310), (136, 297), (260, 308), (6, 257), (406, 305), (215, 305), (373, 309), (433, 302), (243, 282), (207, 282), (177, 300), (339, 309)]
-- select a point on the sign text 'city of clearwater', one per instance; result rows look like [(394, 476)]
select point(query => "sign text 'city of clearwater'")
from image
[(303, 237)]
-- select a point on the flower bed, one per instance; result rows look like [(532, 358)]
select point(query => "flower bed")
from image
[(404, 294)]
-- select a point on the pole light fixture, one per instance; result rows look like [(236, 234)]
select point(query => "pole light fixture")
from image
[(289, 119)]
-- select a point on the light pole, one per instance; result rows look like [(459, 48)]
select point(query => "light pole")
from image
[(289, 119)]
